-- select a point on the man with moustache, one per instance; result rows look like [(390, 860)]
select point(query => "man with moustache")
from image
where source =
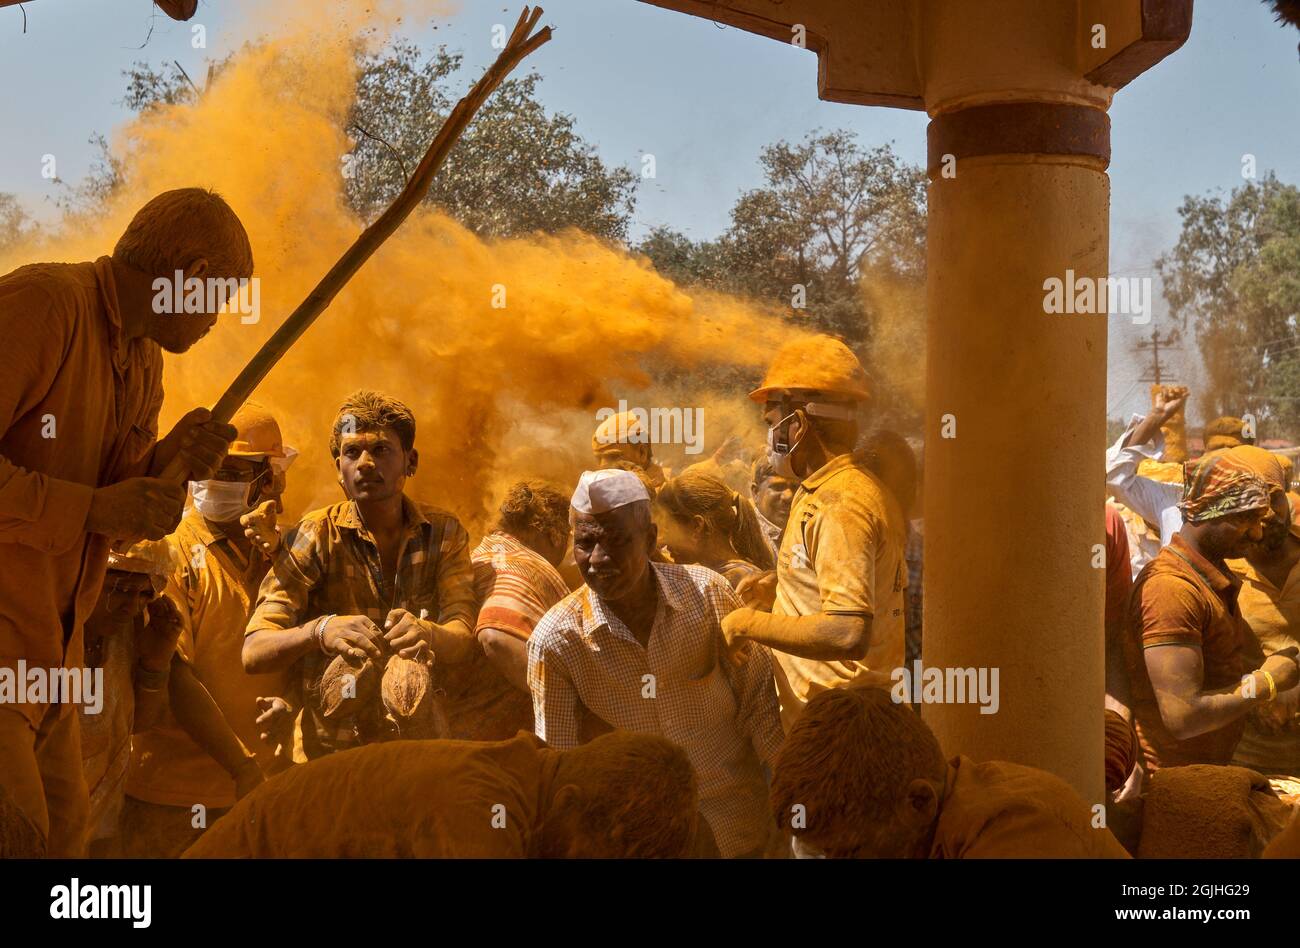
[(374, 576), (79, 460), (640, 646), (1187, 644), (771, 494)]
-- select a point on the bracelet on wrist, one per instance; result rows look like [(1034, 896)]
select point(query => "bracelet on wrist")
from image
[(318, 636), (1272, 685)]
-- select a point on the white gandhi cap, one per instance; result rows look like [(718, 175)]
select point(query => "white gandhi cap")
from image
[(601, 491)]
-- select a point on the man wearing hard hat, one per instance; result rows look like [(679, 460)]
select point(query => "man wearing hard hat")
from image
[(837, 619), (622, 440), (207, 752)]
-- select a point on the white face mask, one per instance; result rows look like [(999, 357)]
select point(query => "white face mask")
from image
[(221, 501), (779, 458)]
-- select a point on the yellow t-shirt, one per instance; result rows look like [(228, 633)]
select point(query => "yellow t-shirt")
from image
[(841, 553), (214, 596), (1273, 615)]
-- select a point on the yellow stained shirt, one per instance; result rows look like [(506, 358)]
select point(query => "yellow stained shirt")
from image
[(1273, 614), (1274, 617), (78, 410), (999, 810), (841, 554), (214, 591)]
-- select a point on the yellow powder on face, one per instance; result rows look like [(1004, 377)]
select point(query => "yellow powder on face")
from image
[(499, 394)]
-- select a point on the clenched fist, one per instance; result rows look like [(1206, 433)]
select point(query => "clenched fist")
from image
[(199, 442)]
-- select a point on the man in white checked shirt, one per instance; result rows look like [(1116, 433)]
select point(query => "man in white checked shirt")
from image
[(640, 646)]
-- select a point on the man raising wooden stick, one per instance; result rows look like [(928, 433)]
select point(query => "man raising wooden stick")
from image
[(79, 466)]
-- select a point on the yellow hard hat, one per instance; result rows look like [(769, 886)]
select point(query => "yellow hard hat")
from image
[(257, 433), (815, 363), (622, 428)]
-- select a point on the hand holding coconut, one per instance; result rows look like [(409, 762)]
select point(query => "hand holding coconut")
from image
[(354, 636), (408, 635)]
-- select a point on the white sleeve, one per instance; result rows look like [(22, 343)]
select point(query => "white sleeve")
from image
[(1154, 501)]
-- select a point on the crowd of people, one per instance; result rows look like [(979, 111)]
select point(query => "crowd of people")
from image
[(644, 662)]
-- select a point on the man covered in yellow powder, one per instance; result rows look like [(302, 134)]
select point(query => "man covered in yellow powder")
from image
[(623, 437), (79, 466), (1192, 670), (1270, 604), (640, 647), (222, 549), (860, 776), (374, 576), (837, 620), (621, 796)]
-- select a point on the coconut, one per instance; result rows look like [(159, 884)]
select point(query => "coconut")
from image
[(347, 684), (406, 686), (413, 700)]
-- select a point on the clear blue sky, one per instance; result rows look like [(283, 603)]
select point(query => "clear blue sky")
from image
[(704, 100)]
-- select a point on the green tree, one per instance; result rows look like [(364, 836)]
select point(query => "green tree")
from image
[(15, 223), (105, 176), (1234, 275), (516, 170), (147, 87), (840, 222)]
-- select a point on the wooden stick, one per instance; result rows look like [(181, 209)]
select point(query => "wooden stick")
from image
[(522, 42)]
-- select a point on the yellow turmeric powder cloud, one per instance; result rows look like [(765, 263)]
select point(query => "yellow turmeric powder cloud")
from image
[(499, 392)]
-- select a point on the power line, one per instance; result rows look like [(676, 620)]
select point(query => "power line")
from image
[(1154, 345)]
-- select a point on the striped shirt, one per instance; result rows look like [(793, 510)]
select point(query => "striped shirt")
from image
[(514, 587), (329, 563), (681, 686)]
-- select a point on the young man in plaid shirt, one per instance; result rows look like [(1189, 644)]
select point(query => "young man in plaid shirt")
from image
[(373, 576)]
